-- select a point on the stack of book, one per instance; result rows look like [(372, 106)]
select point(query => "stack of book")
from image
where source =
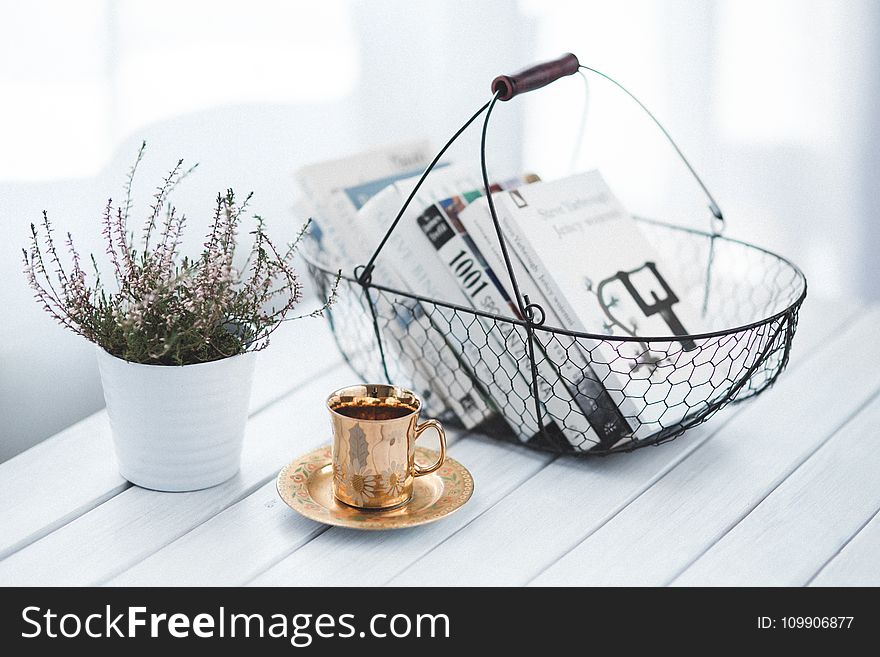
[(575, 252)]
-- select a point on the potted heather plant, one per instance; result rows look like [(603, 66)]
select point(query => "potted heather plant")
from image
[(176, 336)]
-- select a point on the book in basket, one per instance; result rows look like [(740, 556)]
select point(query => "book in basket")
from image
[(503, 375), (572, 393), (417, 354), (587, 257), (565, 353)]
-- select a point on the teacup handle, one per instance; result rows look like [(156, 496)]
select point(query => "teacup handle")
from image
[(431, 424)]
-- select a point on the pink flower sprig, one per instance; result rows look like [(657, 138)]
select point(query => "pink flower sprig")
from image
[(166, 309)]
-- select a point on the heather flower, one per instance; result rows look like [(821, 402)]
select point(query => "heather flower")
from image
[(164, 308)]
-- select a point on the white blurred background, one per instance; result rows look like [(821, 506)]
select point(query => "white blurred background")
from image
[(774, 101)]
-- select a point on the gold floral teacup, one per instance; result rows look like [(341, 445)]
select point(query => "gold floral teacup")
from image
[(375, 428)]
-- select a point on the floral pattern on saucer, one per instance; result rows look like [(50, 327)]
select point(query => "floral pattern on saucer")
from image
[(453, 481)]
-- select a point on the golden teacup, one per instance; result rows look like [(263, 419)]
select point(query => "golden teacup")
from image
[(375, 428)]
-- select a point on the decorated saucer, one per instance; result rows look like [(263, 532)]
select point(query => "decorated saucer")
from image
[(305, 485)]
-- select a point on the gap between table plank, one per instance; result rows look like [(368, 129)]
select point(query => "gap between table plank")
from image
[(856, 563)]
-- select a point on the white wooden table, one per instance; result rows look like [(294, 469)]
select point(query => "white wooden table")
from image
[(784, 489)]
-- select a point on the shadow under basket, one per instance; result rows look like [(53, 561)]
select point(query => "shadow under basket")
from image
[(569, 386)]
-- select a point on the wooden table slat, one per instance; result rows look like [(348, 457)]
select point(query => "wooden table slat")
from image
[(683, 514), (791, 534), (132, 525), (81, 457)]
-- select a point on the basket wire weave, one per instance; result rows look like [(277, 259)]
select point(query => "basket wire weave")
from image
[(750, 299)]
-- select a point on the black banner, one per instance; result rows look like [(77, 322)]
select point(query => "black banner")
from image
[(318, 620)]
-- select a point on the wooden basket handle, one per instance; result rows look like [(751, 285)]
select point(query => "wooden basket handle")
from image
[(534, 77)]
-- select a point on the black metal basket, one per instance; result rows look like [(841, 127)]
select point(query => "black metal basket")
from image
[(749, 298)]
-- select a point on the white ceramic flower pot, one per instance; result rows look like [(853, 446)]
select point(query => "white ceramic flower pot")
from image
[(177, 428)]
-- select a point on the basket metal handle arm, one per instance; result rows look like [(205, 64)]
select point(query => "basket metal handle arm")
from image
[(504, 87), (718, 225), (366, 271)]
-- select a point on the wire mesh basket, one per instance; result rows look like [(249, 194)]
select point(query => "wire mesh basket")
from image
[(631, 390)]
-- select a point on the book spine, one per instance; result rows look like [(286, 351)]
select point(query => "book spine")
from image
[(565, 352), (481, 286), (421, 337), (503, 383)]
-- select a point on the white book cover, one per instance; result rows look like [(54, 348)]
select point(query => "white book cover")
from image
[(572, 361), (423, 273), (588, 255), (338, 188)]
